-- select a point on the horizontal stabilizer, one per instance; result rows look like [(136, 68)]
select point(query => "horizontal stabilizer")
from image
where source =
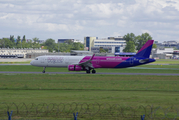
[(144, 60)]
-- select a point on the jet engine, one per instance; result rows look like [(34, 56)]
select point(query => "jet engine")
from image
[(75, 68)]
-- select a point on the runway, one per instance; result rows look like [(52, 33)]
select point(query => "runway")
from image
[(99, 73)]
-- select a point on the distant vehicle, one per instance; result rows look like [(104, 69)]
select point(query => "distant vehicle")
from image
[(88, 63)]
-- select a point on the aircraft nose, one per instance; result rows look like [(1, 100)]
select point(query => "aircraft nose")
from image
[(31, 62)]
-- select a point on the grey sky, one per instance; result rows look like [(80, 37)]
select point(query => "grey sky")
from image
[(79, 18)]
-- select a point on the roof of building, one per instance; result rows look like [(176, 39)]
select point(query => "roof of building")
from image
[(80, 51), (123, 53)]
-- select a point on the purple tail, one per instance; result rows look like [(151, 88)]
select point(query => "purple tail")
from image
[(145, 50)]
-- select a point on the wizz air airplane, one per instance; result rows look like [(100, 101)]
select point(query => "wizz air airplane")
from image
[(88, 63)]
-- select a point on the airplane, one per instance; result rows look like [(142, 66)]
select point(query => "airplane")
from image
[(88, 63)]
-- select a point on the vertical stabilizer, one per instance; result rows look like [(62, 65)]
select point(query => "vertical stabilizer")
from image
[(145, 50)]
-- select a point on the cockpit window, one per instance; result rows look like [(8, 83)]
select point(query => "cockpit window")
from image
[(36, 58)]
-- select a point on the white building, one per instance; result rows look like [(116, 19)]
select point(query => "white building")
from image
[(76, 41), (113, 44), (165, 53), (109, 43), (20, 52)]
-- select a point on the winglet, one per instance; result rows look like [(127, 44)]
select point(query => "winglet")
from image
[(92, 57)]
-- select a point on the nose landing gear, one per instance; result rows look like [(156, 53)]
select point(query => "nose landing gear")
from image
[(43, 70)]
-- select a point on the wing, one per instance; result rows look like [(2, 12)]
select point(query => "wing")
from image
[(87, 63)]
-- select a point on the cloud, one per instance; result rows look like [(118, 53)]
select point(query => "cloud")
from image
[(79, 18), (105, 10)]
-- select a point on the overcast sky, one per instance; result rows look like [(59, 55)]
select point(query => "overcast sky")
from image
[(75, 19)]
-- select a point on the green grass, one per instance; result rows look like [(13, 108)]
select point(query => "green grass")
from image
[(124, 90), (81, 88), (166, 61)]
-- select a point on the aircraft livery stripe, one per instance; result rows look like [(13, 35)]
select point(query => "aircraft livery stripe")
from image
[(104, 62), (149, 43)]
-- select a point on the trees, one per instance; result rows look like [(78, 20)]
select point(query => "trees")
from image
[(23, 39), (6, 43), (12, 39), (130, 42), (18, 42), (135, 42), (51, 45), (10, 42), (130, 47), (130, 37), (142, 39), (69, 45), (63, 47), (35, 43), (154, 46), (77, 46)]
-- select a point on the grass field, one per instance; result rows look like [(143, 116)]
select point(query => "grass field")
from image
[(125, 90), (166, 61)]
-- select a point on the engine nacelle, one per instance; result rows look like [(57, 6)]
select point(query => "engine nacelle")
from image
[(75, 68)]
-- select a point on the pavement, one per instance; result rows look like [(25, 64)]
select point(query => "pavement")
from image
[(16, 59), (100, 73)]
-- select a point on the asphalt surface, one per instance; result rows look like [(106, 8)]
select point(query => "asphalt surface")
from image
[(100, 73), (14, 64), (15, 59)]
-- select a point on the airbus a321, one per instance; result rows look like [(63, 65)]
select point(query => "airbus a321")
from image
[(90, 63)]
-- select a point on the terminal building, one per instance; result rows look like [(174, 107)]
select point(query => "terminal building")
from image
[(168, 44), (110, 44), (165, 53), (19, 53)]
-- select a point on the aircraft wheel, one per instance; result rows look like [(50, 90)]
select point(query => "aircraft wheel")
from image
[(88, 71), (93, 71), (43, 71)]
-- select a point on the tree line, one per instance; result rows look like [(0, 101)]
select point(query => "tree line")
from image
[(19, 43), (34, 43), (135, 43)]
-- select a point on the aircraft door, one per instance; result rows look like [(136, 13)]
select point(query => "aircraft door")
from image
[(131, 61), (43, 62), (97, 61), (66, 60)]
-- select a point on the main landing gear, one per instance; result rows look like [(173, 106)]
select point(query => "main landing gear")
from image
[(43, 70), (93, 71)]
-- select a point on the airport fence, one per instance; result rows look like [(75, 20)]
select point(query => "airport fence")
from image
[(89, 111)]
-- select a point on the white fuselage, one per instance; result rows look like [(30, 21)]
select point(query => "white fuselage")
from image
[(56, 61)]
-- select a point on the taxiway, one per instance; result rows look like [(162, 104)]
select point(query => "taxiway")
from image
[(102, 73)]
